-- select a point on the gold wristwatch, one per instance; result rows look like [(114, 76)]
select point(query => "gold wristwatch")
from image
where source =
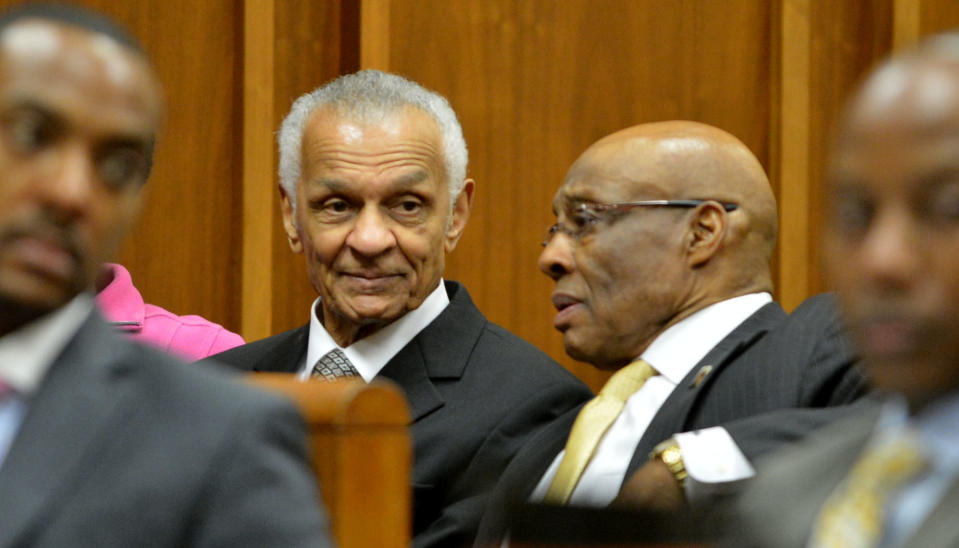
[(669, 453)]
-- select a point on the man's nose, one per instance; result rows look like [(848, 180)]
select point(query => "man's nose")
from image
[(556, 258), (892, 251), (68, 180), (371, 234)]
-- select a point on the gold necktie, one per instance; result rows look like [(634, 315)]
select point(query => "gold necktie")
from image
[(591, 423), (852, 516)]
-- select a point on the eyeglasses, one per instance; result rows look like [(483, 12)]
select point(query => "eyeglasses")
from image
[(587, 214)]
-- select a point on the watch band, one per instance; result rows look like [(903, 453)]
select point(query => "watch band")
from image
[(669, 453)]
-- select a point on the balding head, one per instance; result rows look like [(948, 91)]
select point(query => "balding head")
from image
[(683, 159), (892, 232), (631, 272)]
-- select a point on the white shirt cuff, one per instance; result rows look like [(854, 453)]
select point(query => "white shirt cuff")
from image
[(712, 460)]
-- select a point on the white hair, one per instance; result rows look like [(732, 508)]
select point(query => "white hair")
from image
[(369, 97)]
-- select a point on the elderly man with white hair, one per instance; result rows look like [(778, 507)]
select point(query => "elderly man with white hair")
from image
[(374, 195)]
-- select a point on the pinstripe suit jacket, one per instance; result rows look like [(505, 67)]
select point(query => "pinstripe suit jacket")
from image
[(773, 379)]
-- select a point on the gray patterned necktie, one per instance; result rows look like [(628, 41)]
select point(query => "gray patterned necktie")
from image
[(334, 365)]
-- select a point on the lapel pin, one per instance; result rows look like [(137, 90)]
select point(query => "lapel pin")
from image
[(703, 371)]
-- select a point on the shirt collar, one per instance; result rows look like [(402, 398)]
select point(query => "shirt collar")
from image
[(936, 424), (119, 300), (27, 353), (678, 349), (370, 354)]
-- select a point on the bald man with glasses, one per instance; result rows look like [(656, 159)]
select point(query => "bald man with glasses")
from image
[(660, 257)]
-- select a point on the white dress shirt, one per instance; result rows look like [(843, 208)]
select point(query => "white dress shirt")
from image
[(370, 354), (25, 357), (710, 455)]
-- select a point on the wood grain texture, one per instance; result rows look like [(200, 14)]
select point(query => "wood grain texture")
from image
[(938, 16), (535, 83), (315, 42), (375, 34), (259, 215), (793, 183), (906, 23), (824, 49), (847, 39), (361, 454)]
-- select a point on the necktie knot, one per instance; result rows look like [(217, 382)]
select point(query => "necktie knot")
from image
[(628, 380), (334, 365)]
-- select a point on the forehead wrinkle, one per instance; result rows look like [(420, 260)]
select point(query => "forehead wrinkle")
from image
[(411, 169), (406, 181), (332, 145), (334, 152)]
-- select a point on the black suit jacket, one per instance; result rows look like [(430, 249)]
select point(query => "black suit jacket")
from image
[(771, 380), (476, 393), (125, 446)]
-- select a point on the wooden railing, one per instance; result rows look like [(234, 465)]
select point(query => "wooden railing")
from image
[(361, 451)]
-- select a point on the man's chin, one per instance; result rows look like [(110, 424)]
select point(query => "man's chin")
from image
[(579, 352), (35, 292), (20, 308), (591, 349), (373, 310)]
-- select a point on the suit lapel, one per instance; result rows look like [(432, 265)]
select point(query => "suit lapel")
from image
[(523, 474), (441, 351), (67, 421), (939, 527), (287, 354), (543, 449), (672, 416), (408, 369)]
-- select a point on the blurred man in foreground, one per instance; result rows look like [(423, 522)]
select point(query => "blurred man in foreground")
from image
[(104, 442), (889, 476)]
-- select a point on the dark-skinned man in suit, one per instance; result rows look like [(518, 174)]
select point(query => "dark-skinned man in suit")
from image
[(103, 442), (374, 195), (888, 476), (660, 256)]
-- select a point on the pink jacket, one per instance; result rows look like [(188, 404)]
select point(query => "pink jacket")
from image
[(189, 337)]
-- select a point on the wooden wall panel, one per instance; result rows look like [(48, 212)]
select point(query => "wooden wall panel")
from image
[(822, 50), (258, 165), (535, 83), (315, 42), (938, 16), (847, 39)]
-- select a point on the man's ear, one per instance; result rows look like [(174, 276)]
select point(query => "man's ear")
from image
[(460, 214), (289, 222), (707, 229)]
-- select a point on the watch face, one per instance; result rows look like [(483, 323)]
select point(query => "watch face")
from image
[(672, 455)]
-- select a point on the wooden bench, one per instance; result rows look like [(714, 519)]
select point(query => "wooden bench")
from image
[(361, 451)]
